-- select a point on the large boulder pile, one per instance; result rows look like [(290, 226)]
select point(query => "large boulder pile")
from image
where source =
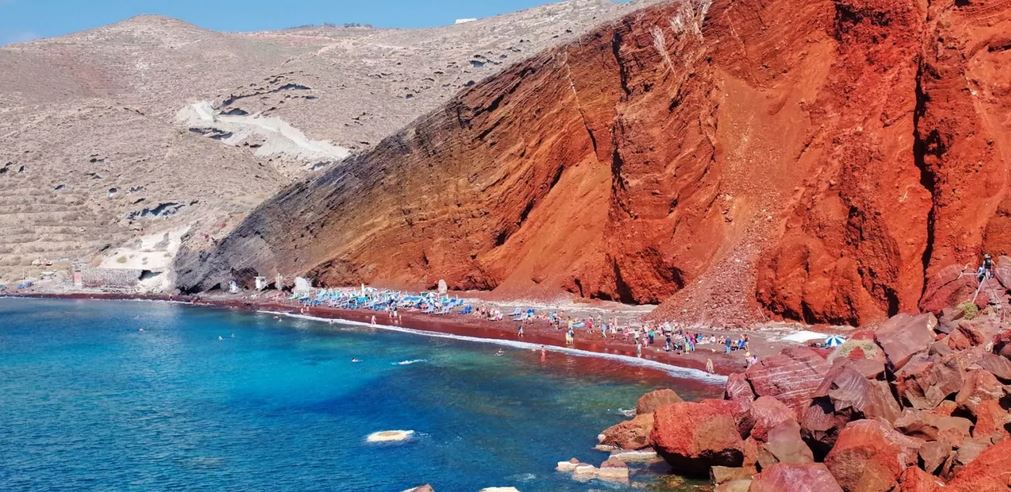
[(913, 404)]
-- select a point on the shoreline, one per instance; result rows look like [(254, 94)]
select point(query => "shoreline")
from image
[(538, 332), (669, 369)]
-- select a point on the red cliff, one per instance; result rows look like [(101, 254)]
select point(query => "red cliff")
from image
[(818, 160)]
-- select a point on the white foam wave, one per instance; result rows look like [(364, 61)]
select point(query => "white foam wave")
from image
[(523, 477), (409, 362), (677, 371)]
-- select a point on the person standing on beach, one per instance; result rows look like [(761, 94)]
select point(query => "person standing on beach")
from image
[(638, 349), (373, 320), (709, 366), (726, 344), (519, 330)]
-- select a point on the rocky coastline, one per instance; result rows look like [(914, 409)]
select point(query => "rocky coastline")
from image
[(917, 403)]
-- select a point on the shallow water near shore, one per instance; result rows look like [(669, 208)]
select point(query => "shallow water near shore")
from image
[(119, 395)]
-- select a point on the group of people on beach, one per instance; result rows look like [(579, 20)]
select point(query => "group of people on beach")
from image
[(643, 335)]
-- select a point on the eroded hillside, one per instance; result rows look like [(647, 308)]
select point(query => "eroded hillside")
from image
[(153, 126), (822, 161)]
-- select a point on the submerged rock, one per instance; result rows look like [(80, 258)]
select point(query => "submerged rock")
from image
[(390, 436), (584, 472), (613, 469), (567, 466)]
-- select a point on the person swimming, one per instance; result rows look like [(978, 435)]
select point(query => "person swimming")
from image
[(355, 360)]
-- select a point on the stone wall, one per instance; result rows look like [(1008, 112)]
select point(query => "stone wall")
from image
[(114, 278)]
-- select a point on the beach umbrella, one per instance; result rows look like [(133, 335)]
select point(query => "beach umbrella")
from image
[(834, 341)]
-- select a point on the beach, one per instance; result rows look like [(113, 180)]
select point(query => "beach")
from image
[(763, 340)]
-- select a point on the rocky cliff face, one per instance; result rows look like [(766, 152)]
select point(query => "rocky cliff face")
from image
[(152, 114), (822, 161)]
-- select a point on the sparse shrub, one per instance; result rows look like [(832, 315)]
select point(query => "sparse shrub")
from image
[(969, 310), (121, 259)]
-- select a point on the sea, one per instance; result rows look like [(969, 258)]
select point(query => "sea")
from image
[(139, 395)]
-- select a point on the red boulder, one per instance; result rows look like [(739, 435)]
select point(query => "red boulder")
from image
[(931, 426), (738, 388), (989, 472), (821, 425), (784, 477), (630, 434), (914, 479), (905, 335), (869, 456), (980, 396), (784, 445), (949, 287), (768, 412), (791, 376), (849, 390), (933, 454), (692, 437), (996, 365), (653, 400), (926, 381)]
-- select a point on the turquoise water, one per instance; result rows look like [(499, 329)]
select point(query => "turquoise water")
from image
[(209, 399)]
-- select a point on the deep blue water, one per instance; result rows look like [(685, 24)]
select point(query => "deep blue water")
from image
[(90, 402)]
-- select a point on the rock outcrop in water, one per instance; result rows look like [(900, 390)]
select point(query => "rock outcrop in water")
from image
[(939, 421), (826, 161)]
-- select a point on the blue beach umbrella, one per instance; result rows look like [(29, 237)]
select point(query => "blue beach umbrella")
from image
[(834, 341)]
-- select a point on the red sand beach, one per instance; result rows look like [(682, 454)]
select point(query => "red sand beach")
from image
[(536, 331)]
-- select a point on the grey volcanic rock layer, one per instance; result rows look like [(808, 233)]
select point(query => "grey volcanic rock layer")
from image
[(95, 134)]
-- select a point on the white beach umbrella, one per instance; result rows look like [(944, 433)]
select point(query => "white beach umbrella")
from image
[(834, 341)]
